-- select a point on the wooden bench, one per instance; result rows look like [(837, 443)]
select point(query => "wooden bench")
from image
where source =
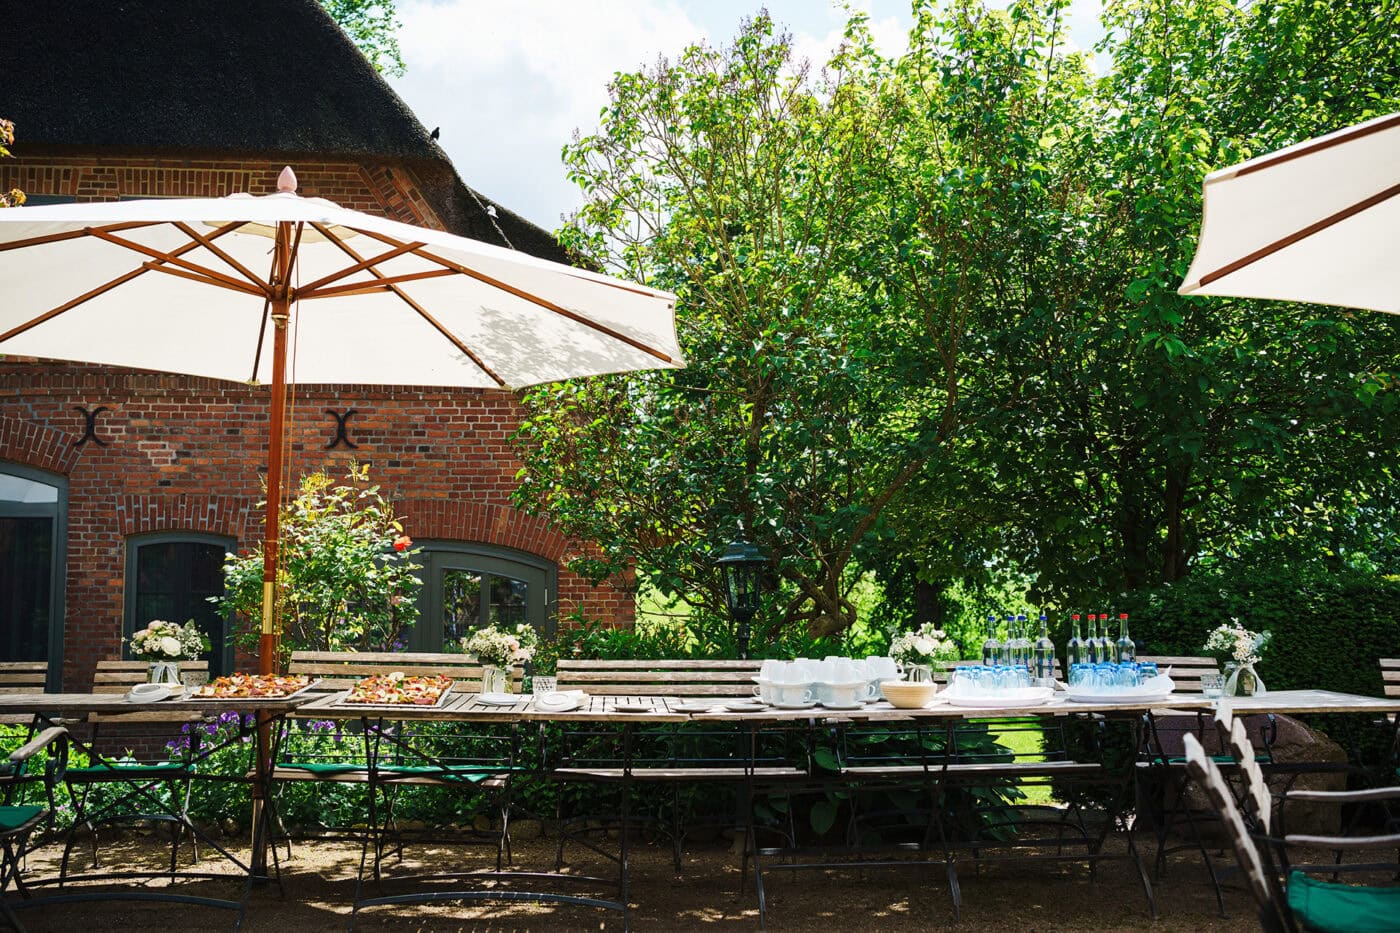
[(121, 676), (341, 670), (1390, 677), (659, 678), (1186, 672), (22, 677)]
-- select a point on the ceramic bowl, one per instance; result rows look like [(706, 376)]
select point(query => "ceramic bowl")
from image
[(903, 694)]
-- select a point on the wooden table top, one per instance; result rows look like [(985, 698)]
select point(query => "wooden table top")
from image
[(1310, 701), (674, 709), (79, 704)]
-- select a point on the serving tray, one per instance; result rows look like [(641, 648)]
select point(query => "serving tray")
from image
[(195, 695)]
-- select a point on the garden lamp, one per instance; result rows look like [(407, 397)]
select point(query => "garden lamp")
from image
[(740, 564)]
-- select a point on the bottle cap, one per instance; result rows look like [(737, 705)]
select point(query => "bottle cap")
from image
[(1075, 617), (1122, 615)]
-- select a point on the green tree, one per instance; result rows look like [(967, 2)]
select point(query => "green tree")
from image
[(843, 245), (346, 581), (371, 25)]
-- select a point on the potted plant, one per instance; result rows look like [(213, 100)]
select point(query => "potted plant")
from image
[(498, 649), (164, 645)]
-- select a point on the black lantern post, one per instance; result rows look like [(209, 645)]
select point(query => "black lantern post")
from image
[(741, 564)]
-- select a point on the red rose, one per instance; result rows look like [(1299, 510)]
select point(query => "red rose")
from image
[(403, 543)]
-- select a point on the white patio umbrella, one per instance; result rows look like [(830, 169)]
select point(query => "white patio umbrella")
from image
[(1315, 222), (217, 286)]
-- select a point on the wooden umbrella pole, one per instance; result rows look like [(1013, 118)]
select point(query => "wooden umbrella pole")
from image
[(267, 647)]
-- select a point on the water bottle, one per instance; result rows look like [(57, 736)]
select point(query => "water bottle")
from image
[(991, 648), (1092, 642), (1023, 642), (1044, 656), (1127, 651), (1076, 651), (1110, 650)]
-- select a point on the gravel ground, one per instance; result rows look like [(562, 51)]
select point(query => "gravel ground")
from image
[(319, 882)]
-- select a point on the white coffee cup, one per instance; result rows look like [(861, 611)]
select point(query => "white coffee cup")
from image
[(842, 695), (766, 690), (769, 669), (879, 667), (792, 694)]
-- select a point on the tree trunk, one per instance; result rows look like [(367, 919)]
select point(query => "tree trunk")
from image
[(1174, 551)]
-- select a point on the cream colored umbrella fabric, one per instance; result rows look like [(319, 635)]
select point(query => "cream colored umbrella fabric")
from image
[(184, 285), (1316, 222)]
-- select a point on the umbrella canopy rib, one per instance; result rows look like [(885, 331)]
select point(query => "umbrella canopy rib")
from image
[(422, 312), (1379, 197), (220, 281), (100, 289), (365, 288), (195, 270), (363, 264), (1307, 149), (73, 235), (533, 299), (233, 263)]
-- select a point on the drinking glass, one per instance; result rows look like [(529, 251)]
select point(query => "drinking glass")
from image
[(1212, 684), (542, 685)]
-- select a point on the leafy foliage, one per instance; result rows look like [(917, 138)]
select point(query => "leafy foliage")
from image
[(371, 25), (346, 578)]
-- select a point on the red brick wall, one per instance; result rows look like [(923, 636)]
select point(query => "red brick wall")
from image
[(185, 454)]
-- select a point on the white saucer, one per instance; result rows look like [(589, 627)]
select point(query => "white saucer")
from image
[(498, 699), (746, 706), (695, 706), (856, 705), (556, 702), (632, 706), (808, 705)]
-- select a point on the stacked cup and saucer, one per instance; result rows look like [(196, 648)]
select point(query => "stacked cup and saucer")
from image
[(841, 683)]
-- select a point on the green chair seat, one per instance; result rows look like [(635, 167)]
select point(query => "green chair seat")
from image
[(1342, 908), (135, 770), (1228, 760), (472, 773), (322, 767), (12, 818)]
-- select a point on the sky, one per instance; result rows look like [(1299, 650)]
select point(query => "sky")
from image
[(509, 81)]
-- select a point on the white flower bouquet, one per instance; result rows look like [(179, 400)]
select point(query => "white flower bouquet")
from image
[(1231, 641), (502, 648), (924, 645), (168, 641)]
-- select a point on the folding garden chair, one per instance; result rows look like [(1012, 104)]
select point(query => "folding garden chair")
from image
[(19, 820), (1308, 904)]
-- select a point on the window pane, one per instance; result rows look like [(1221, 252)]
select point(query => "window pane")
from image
[(461, 604), (26, 577), (174, 580), (19, 489), (509, 599)]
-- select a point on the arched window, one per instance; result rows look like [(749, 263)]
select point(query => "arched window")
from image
[(33, 532), (170, 576), (466, 586)]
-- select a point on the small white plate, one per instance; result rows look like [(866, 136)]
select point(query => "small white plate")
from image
[(808, 705), (498, 699), (632, 707), (856, 705), (695, 706), (556, 702), (746, 706), (1118, 697)]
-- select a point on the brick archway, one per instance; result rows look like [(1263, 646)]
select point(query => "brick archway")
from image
[(35, 445), (498, 525), (215, 515)]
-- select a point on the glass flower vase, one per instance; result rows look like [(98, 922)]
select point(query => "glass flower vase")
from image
[(495, 679), (1242, 680), (919, 673), (164, 672)]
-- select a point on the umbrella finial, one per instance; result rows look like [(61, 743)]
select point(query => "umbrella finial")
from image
[(287, 181)]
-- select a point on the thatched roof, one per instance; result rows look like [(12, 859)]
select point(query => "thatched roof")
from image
[(214, 77)]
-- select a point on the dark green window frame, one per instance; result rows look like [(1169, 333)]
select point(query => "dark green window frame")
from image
[(57, 512), (490, 560), (221, 656)]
